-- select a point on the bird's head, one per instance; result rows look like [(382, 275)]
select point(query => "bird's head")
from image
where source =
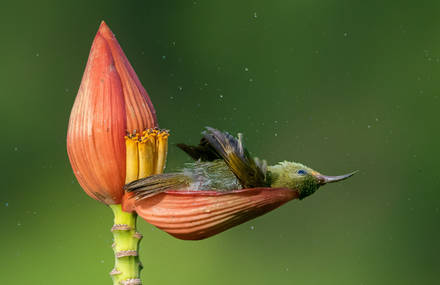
[(299, 177)]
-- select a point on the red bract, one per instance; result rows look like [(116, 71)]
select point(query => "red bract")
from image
[(196, 215), (110, 102)]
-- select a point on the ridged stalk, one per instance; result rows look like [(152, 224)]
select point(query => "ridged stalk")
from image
[(126, 248)]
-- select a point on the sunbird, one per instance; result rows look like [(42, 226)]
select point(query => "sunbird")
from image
[(222, 164)]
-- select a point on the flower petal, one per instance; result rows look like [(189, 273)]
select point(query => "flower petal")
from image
[(95, 138), (110, 102), (195, 215), (140, 112)]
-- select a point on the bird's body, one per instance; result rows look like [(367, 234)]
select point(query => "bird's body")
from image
[(222, 164), (214, 175)]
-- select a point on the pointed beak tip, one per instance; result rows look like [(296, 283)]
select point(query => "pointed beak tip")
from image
[(330, 179)]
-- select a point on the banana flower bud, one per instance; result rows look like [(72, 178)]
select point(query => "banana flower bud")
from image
[(110, 102)]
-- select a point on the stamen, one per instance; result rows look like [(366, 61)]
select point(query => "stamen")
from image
[(152, 150), (152, 133), (132, 162), (161, 150), (146, 156)]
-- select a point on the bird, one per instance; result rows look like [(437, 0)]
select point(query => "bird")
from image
[(221, 163)]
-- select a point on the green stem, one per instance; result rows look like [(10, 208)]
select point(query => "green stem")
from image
[(126, 244)]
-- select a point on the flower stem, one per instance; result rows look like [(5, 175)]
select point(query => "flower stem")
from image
[(126, 244)]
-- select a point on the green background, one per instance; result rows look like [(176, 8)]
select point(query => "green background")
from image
[(337, 85)]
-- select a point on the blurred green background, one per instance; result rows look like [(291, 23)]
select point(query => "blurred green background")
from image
[(337, 85)]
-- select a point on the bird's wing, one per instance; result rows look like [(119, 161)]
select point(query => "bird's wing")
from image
[(249, 173), (155, 184)]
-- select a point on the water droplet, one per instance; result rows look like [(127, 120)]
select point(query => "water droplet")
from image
[(345, 34), (180, 88), (16, 148), (252, 228), (171, 97), (251, 79), (369, 126), (246, 69), (38, 54), (221, 96), (164, 57), (6, 204), (255, 15), (276, 134)]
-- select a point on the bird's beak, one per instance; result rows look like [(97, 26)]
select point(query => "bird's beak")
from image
[(323, 179)]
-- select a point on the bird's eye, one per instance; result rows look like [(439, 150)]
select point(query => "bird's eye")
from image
[(302, 172)]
